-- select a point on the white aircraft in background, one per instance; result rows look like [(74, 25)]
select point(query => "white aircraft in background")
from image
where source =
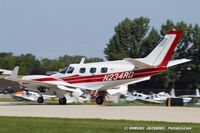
[(5, 72), (30, 95), (197, 95), (102, 76), (161, 97), (75, 97)]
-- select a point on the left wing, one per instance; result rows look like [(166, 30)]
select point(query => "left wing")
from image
[(57, 83)]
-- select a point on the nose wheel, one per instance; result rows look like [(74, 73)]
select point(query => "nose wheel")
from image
[(62, 101), (99, 100)]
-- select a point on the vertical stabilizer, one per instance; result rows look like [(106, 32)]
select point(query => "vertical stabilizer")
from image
[(162, 53), (197, 93), (172, 93), (14, 73)]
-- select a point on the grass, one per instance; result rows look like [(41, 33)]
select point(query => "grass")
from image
[(6, 99), (61, 125)]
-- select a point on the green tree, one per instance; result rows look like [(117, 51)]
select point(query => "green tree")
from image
[(7, 61), (27, 63), (194, 54), (127, 40), (194, 51), (62, 61), (149, 42)]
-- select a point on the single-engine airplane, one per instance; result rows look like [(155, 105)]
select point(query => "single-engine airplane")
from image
[(101, 76)]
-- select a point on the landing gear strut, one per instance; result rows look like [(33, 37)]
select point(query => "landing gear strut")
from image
[(99, 100), (62, 101), (40, 99)]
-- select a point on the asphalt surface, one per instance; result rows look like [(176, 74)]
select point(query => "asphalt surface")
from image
[(147, 113)]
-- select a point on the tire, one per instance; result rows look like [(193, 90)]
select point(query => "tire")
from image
[(99, 100), (62, 101), (40, 100)]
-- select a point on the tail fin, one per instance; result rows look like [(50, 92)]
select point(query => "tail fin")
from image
[(161, 55), (172, 93), (197, 93), (14, 74)]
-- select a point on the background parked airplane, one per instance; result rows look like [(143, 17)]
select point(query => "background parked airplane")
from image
[(5, 72), (161, 97)]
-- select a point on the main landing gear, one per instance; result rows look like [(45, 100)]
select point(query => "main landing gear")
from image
[(99, 100), (100, 97), (62, 101), (40, 99)]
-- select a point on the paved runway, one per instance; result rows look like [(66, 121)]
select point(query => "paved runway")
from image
[(149, 113)]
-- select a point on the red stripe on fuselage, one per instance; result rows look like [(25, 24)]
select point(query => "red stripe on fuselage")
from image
[(46, 79), (100, 78)]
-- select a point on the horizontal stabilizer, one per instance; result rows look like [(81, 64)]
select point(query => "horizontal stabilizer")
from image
[(176, 62)]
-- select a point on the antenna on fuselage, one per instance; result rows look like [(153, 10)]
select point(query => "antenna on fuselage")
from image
[(82, 61)]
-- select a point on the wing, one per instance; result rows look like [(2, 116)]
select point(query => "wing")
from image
[(57, 83)]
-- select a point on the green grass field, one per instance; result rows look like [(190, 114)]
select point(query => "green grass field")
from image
[(59, 125), (6, 100)]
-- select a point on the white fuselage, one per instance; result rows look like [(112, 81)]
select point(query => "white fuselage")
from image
[(98, 76)]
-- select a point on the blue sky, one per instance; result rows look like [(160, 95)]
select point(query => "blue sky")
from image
[(52, 28)]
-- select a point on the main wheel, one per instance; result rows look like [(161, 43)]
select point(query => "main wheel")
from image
[(40, 99), (99, 100), (62, 101)]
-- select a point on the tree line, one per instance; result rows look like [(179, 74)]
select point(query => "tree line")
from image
[(29, 64)]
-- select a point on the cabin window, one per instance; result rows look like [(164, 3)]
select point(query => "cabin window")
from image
[(104, 70), (70, 70), (82, 70), (93, 70)]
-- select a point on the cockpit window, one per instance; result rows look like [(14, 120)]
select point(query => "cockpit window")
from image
[(64, 70), (70, 70)]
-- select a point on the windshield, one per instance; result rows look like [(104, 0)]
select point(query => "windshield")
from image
[(64, 70), (70, 70)]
